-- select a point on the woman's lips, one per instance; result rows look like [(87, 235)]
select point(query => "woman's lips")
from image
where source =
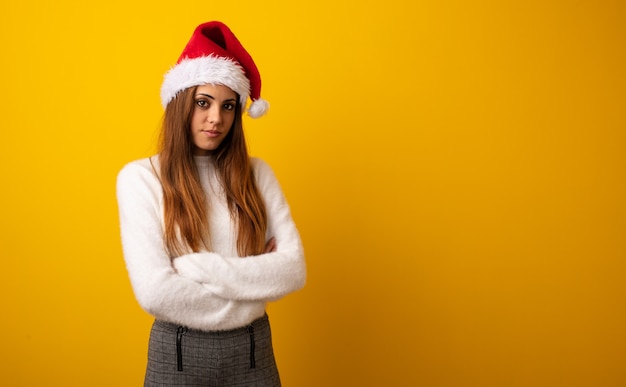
[(211, 133)]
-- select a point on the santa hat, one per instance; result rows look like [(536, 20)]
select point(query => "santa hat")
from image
[(214, 55)]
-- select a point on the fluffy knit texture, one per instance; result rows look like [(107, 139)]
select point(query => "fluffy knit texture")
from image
[(206, 290)]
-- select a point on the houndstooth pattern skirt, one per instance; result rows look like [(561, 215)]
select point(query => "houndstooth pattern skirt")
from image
[(242, 357)]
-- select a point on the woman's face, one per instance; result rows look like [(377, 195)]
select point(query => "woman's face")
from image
[(213, 116)]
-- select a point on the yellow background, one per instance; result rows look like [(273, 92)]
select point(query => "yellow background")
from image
[(456, 169)]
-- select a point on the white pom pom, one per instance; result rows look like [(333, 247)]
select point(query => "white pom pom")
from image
[(258, 108)]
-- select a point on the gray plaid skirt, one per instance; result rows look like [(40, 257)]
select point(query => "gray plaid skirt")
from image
[(178, 356)]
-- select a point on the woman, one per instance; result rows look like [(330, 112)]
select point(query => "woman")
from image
[(207, 235)]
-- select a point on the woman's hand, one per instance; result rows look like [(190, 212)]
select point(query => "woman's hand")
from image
[(270, 246)]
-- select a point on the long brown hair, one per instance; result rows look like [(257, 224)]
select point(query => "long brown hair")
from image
[(185, 202)]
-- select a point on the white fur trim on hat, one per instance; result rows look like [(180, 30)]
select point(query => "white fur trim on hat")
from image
[(258, 108), (205, 70)]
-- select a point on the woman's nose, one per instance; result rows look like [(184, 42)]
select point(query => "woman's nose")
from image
[(215, 116)]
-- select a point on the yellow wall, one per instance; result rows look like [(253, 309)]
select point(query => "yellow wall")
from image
[(457, 170)]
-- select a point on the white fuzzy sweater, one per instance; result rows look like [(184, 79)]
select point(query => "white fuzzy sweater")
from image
[(206, 290)]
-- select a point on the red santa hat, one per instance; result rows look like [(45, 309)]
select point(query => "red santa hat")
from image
[(213, 55)]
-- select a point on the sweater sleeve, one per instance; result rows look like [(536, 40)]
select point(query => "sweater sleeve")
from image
[(266, 277), (158, 288)]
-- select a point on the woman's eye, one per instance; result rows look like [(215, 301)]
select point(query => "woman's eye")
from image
[(229, 106), (202, 103)]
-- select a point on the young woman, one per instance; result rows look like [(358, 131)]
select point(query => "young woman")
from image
[(207, 235)]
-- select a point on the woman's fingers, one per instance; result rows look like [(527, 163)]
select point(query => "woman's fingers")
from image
[(270, 246)]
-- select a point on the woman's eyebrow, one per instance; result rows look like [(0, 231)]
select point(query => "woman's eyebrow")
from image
[(206, 95), (213, 98)]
